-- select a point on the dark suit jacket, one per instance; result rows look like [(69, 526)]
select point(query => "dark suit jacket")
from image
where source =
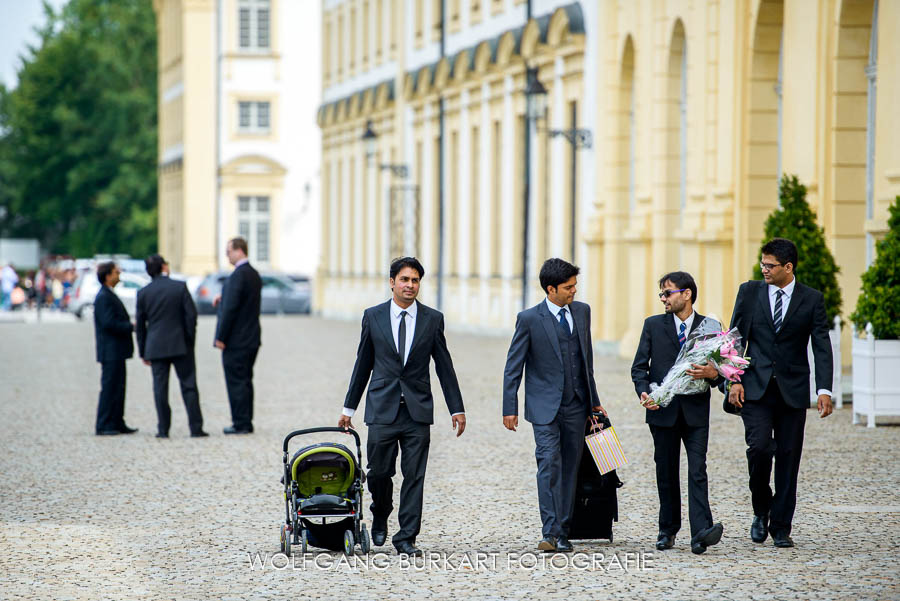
[(112, 327), (166, 319), (238, 325), (535, 347), (377, 357), (653, 359), (783, 354)]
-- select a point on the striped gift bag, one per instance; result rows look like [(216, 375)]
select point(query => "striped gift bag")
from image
[(606, 449)]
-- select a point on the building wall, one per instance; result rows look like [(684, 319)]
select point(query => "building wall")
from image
[(695, 109), (208, 162)]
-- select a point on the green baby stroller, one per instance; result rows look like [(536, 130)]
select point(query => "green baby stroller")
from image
[(323, 496)]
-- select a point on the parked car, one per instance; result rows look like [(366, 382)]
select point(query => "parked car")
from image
[(280, 294), (87, 286)]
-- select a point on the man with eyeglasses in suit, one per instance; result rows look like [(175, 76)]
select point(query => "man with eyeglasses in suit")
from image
[(778, 318)]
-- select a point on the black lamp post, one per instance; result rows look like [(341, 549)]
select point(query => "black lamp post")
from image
[(370, 138), (535, 108)]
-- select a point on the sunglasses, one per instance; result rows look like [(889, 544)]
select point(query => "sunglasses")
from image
[(668, 293)]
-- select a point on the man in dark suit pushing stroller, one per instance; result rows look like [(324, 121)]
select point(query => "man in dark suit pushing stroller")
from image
[(398, 340)]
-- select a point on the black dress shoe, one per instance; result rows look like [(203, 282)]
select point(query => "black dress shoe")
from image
[(108, 432), (407, 548), (379, 531), (698, 548), (782, 540), (126, 430), (665, 541), (759, 530), (563, 545), (199, 434), (162, 434), (233, 430), (710, 536), (547, 544)]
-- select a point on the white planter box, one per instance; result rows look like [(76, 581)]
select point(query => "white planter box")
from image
[(876, 385), (837, 384)]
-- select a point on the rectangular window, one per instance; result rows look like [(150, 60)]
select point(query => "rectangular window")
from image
[(253, 24), (254, 117), (253, 226)]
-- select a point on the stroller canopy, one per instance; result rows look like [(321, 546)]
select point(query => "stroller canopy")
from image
[(325, 468)]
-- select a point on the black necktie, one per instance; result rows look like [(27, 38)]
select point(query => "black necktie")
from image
[(777, 317), (401, 337), (563, 323)]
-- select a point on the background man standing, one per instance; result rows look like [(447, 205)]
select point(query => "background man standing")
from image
[(112, 330), (685, 419), (238, 334), (398, 340), (778, 317), (552, 342), (166, 330)]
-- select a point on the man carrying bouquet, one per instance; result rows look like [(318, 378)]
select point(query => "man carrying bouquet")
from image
[(778, 317), (685, 418)]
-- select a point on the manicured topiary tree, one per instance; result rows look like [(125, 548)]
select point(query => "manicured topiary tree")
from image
[(879, 303), (796, 221)]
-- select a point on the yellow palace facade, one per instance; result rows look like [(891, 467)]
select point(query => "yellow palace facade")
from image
[(666, 126)]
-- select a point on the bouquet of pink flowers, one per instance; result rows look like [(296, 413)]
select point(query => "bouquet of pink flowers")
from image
[(707, 343)]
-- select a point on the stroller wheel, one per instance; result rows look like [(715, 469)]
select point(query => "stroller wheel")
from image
[(364, 539), (304, 544), (285, 540), (349, 543)]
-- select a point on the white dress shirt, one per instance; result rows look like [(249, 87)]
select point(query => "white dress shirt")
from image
[(241, 262), (411, 313), (785, 301), (555, 309), (689, 323)]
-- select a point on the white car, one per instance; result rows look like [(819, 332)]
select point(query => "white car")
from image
[(87, 286)]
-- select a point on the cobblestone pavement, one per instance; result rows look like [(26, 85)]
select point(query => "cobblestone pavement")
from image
[(84, 517)]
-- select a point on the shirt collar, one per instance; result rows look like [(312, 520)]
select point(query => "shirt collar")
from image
[(411, 310), (788, 290), (689, 321), (241, 262), (555, 309)]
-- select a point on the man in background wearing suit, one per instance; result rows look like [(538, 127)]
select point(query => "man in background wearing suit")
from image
[(398, 340), (779, 316), (552, 342), (238, 334), (112, 330), (685, 419), (166, 330)]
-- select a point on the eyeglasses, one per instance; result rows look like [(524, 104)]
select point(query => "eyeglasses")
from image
[(668, 293), (769, 266)]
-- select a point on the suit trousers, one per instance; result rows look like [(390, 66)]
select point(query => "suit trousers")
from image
[(238, 367), (111, 404), (186, 371), (667, 455), (558, 448), (413, 440), (764, 418)]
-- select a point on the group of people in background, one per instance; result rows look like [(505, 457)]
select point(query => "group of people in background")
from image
[(551, 344), (49, 287), (166, 328)]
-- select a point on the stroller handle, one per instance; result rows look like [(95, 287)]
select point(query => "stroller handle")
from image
[(323, 429)]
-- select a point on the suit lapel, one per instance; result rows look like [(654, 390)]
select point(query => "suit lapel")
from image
[(383, 319), (796, 300), (698, 319), (580, 329), (549, 323), (423, 322), (671, 333), (764, 303)]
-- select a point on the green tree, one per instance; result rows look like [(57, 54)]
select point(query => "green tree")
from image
[(796, 221), (78, 134), (879, 302)]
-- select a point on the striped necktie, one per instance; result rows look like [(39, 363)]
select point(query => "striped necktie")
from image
[(777, 317), (681, 335)]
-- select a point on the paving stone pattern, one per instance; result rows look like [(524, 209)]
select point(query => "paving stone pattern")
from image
[(132, 517)]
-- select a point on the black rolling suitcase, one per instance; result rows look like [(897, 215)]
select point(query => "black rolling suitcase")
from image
[(596, 500)]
